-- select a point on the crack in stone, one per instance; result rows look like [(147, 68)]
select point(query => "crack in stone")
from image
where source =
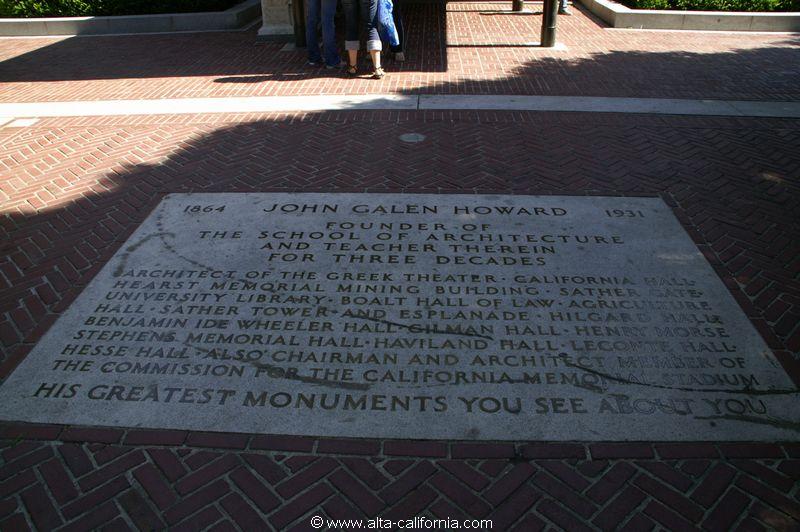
[(260, 365), (313, 380), (744, 391), (770, 421), (365, 386), (300, 378), (434, 330), (123, 259)]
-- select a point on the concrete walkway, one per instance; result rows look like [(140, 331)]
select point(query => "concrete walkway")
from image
[(375, 102)]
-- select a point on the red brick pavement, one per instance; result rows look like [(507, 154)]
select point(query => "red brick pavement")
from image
[(469, 48), (75, 192), (150, 480), (74, 189)]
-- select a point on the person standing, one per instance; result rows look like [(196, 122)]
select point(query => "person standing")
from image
[(367, 11), (397, 15), (322, 11), (563, 8)]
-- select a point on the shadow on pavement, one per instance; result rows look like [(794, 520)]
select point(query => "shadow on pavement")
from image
[(734, 184), (767, 73), (205, 54)]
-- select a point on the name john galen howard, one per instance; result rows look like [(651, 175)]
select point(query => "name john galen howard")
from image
[(294, 208)]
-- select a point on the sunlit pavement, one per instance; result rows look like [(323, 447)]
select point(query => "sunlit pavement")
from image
[(73, 188)]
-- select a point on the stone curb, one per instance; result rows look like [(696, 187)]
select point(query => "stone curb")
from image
[(619, 16), (389, 447), (230, 19), (423, 102)]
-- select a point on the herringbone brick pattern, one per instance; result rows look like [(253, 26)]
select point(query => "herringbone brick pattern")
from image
[(280, 483), (74, 193), (458, 47), (74, 189)]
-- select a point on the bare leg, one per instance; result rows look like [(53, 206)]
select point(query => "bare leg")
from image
[(378, 73), (376, 58), (353, 57)]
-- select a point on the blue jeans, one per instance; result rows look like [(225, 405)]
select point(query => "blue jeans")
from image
[(367, 12), (324, 9), (397, 15)]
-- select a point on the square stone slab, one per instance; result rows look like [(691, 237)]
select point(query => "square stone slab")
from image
[(409, 316)]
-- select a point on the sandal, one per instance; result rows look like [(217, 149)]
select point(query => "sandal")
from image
[(351, 70), (378, 73)]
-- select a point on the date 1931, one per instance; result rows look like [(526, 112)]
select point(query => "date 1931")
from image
[(620, 213)]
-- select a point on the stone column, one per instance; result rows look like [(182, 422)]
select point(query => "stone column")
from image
[(277, 20)]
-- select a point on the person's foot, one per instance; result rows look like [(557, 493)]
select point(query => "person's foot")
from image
[(313, 63), (399, 57), (351, 71), (340, 64), (378, 73), (565, 11)]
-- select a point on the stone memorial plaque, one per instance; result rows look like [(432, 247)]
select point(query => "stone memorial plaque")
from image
[(409, 316)]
